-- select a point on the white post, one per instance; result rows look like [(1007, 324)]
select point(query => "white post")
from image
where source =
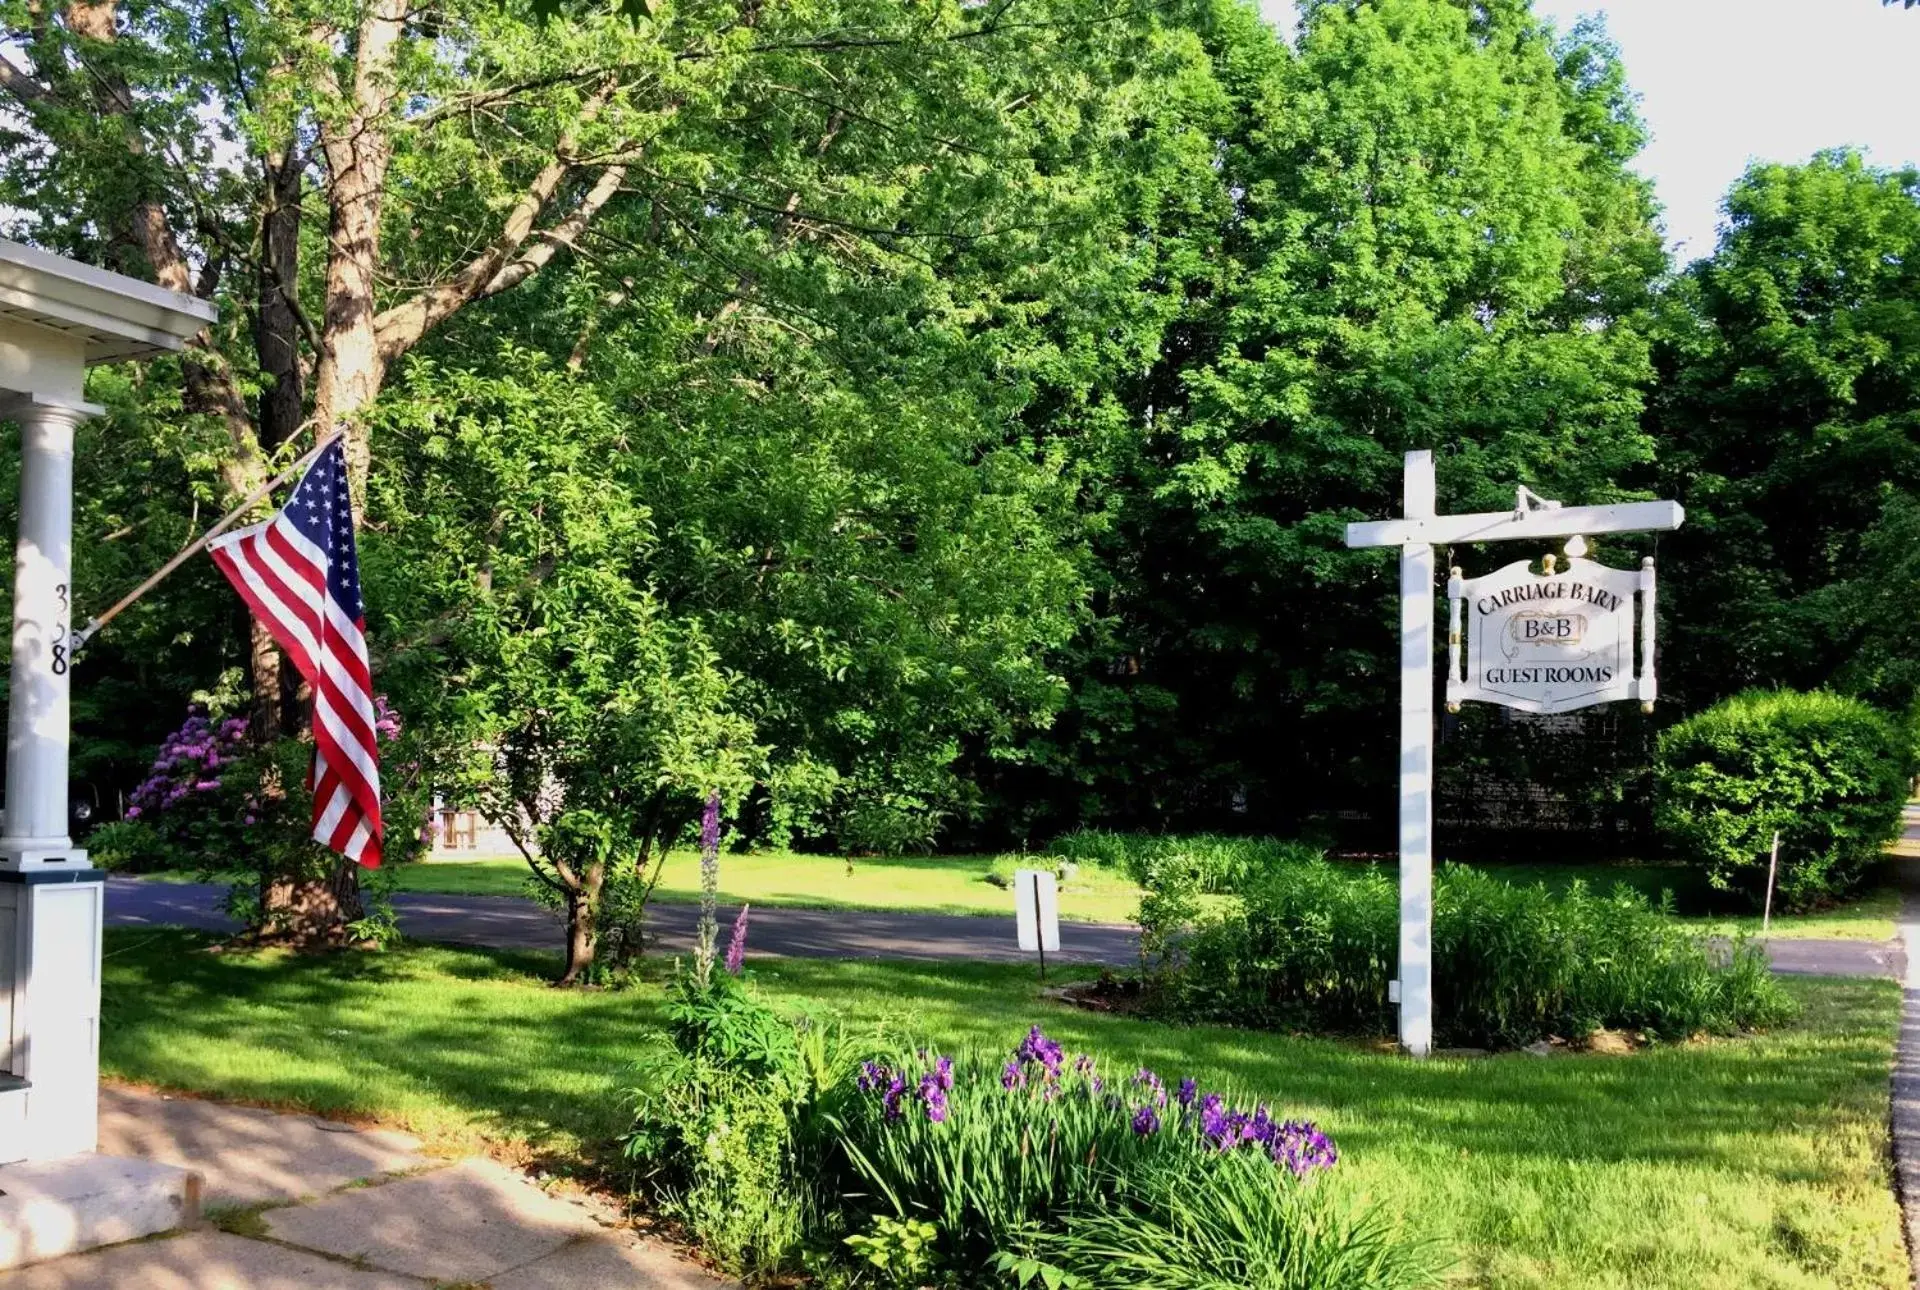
[(55, 911), (1648, 688), (36, 836), (1416, 765)]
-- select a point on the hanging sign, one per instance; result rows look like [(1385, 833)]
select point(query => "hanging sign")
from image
[(1551, 642)]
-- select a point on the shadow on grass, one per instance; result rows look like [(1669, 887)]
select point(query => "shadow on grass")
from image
[(452, 1040)]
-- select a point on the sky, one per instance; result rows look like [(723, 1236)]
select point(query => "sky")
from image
[(1723, 82)]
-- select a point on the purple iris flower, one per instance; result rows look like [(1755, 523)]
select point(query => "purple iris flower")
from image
[(1146, 1121)]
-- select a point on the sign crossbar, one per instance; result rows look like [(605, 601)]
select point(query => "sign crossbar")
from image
[(1508, 526)]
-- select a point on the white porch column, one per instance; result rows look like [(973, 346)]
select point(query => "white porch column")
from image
[(57, 317), (1416, 765), (35, 835)]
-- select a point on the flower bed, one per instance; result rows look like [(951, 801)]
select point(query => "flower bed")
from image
[(782, 1146)]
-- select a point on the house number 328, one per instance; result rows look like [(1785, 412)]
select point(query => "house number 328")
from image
[(60, 632)]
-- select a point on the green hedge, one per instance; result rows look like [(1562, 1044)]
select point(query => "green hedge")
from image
[(1311, 947), (1214, 862), (1829, 772)]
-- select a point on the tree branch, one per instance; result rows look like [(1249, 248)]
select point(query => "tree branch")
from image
[(399, 328), (561, 235)]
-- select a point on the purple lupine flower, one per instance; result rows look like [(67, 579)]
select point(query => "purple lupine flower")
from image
[(1188, 1091), (710, 824), (707, 931), (737, 946), (1146, 1121)]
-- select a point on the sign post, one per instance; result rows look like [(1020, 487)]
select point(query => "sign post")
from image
[(1541, 643), (1036, 899)]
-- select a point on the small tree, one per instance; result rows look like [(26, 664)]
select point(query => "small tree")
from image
[(610, 723), (575, 707)]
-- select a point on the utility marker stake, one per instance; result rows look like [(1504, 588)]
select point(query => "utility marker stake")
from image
[(1773, 867)]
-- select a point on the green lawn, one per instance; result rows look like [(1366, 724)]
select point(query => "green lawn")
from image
[(1713, 1166), (925, 884)]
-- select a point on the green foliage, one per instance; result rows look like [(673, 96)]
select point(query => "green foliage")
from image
[(1206, 862), (1789, 412), (724, 1135), (1829, 773), (1422, 232), (132, 846), (901, 1251), (1040, 1169), (775, 1149), (1230, 1228), (1312, 947)]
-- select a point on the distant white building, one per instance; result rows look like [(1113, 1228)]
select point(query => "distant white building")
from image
[(461, 833)]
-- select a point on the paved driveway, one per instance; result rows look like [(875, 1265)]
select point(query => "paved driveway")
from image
[(504, 922)]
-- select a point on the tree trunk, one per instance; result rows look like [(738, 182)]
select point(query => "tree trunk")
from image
[(276, 328), (583, 923), (358, 150), (309, 913)]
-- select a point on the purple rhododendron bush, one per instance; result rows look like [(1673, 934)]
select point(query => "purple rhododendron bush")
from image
[(787, 1146)]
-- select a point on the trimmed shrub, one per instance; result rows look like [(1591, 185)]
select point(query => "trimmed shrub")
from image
[(1830, 773), (1212, 863), (1311, 947)]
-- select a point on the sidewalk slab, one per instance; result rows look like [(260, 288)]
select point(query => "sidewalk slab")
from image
[(609, 1263), (248, 1156), (204, 1260), (466, 1222), (53, 1208)]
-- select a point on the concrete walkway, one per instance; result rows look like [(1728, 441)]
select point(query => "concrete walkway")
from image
[(296, 1203), (505, 922)]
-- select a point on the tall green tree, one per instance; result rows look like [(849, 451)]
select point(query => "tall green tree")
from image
[(1788, 418), (1423, 235), (353, 178)]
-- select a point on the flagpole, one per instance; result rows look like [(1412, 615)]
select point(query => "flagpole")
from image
[(253, 499)]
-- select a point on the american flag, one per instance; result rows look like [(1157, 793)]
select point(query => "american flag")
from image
[(300, 575)]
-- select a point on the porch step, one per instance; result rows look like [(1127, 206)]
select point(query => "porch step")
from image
[(53, 1207)]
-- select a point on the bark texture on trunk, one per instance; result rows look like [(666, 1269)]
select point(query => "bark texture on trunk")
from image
[(358, 150), (583, 924), (309, 913), (276, 332)]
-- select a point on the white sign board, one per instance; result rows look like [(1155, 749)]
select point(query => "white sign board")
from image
[(1036, 901), (1550, 642)]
